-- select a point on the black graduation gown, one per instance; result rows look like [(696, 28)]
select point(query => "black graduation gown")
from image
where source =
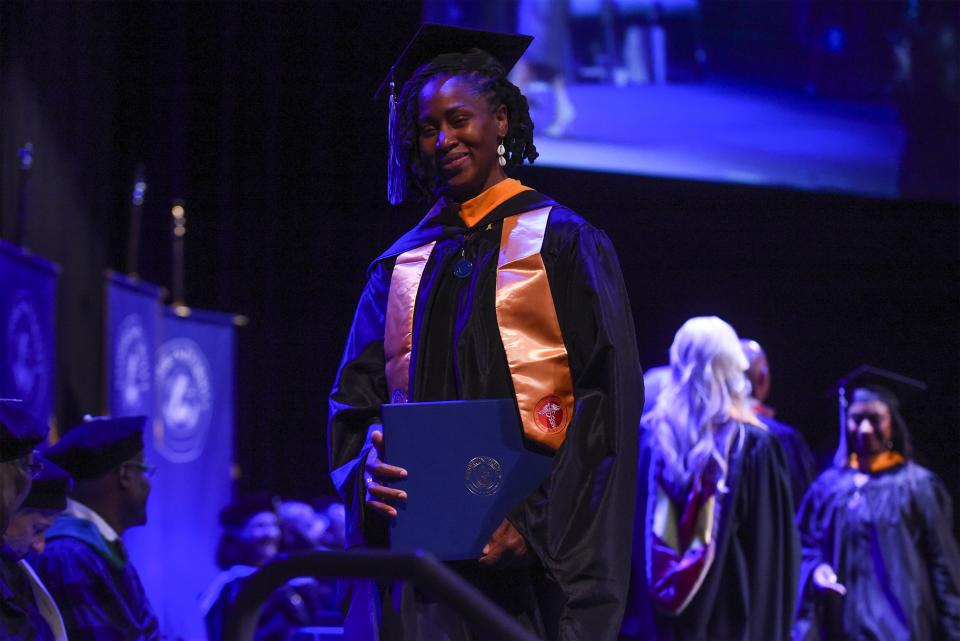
[(20, 618), (891, 544), (800, 461), (577, 525), (749, 591)]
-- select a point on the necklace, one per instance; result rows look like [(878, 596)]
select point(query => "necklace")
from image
[(464, 266)]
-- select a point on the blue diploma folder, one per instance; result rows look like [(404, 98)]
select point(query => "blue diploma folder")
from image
[(468, 465)]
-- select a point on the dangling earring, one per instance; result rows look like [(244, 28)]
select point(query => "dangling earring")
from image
[(501, 150), (889, 445)]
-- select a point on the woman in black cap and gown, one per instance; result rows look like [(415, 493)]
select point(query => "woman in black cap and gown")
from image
[(879, 557), (499, 292)]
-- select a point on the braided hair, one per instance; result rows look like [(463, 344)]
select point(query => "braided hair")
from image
[(489, 78)]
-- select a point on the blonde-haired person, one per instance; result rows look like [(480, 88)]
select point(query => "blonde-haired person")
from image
[(715, 547)]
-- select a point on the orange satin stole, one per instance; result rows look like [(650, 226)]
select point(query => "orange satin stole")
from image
[(530, 331), (398, 325), (527, 319)]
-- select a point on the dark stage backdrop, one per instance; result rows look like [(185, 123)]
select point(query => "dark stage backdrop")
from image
[(260, 117)]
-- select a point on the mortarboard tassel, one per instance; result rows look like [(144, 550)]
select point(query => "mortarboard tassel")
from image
[(396, 175)]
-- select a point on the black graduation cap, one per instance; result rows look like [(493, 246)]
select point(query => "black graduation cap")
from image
[(19, 431), (432, 40), (245, 508), (50, 488), (893, 387), (98, 445)]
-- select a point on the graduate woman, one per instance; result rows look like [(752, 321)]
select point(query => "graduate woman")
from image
[(879, 557), (716, 548), (499, 292)]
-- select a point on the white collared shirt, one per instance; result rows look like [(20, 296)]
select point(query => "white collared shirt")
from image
[(81, 511)]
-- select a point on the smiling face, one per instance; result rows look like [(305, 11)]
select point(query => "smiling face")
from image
[(458, 136), (869, 427)]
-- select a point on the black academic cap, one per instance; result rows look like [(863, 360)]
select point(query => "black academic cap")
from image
[(19, 431), (98, 445), (245, 508), (867, 382), (50, 488), (892, 387), (432, 40)]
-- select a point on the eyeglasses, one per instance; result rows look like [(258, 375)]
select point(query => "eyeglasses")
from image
[(147, 470)]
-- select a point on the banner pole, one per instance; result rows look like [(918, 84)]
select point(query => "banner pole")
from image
[(179, 231), (26, 161), (136, 215)]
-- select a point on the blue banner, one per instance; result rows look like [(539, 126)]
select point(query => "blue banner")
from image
[(192, 445), (28, 292), (183, 379), (134, 315)]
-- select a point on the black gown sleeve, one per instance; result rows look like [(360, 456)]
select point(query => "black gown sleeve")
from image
[(354, 408), (800, 462), (579, 523), (942, 554)]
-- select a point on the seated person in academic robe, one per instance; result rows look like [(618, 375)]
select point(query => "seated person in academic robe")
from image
[(20, 618), (251, 537), (800, 459), (26, 535), (499, 292), (880, 560), (84, 564), (715, 549)]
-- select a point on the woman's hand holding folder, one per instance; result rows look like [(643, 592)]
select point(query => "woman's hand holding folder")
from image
[(505, 548), (377, 473)]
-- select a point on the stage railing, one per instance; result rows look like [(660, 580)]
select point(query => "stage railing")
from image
[(420, 568)]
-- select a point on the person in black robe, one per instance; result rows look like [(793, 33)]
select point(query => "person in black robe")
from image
[(26, 534), (20, 618), (800, 459), (880, 560), (716, 549), (559, 562), (84, 564)]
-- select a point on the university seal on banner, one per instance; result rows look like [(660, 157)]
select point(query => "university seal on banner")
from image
[(549, 414), (483, 475), (27, 364), (185, 400), (131, 367)]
